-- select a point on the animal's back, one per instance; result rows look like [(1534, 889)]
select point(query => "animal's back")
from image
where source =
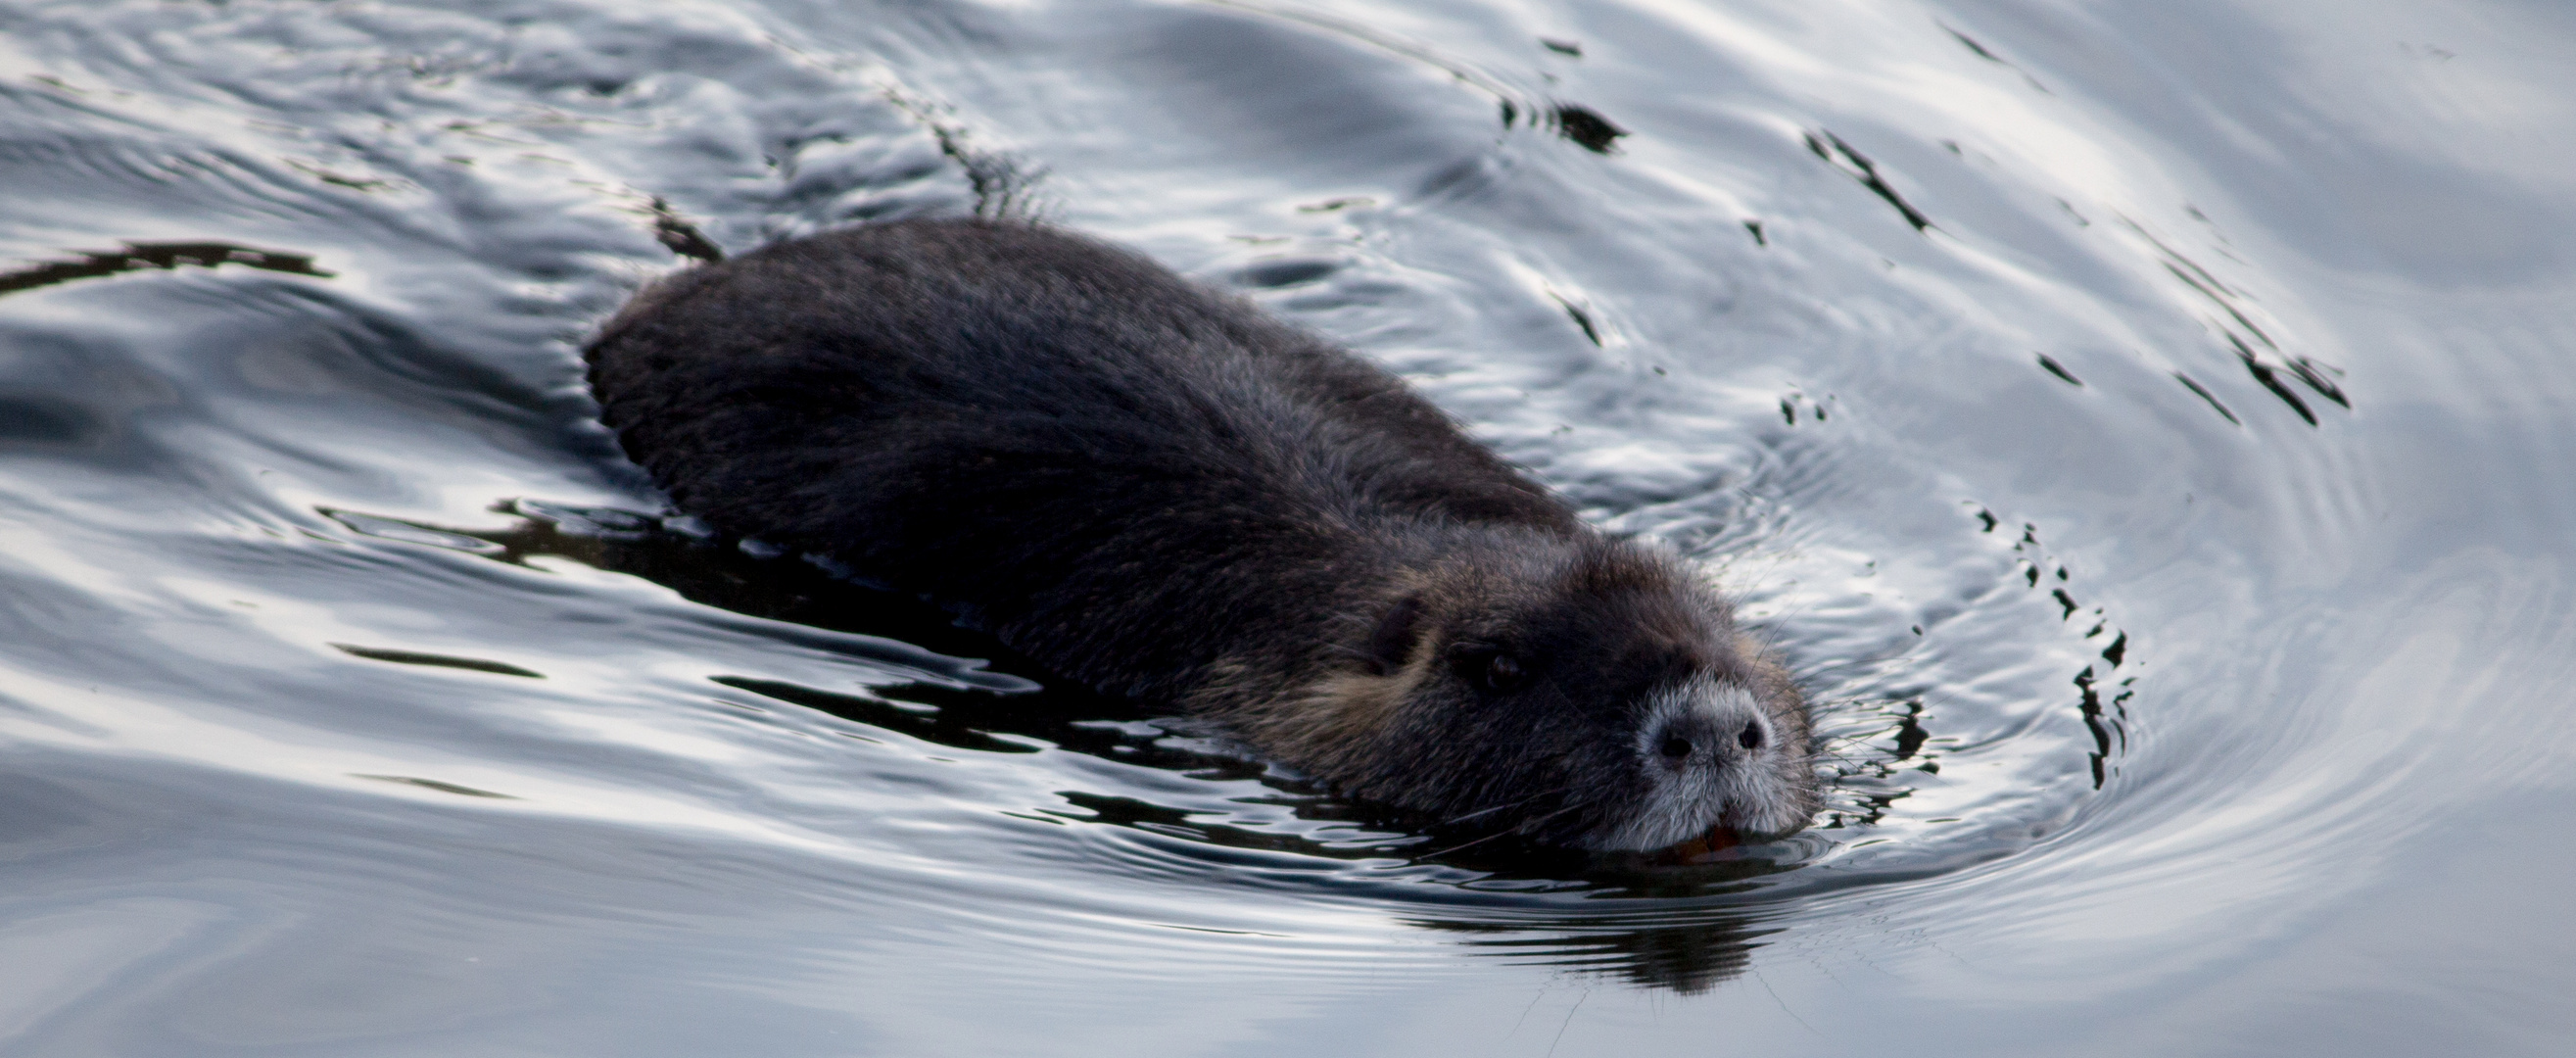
[(1027, 424)]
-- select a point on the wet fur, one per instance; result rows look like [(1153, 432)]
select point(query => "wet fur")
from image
[(1161, 492)]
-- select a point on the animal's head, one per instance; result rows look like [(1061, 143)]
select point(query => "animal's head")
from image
[(1595, 694)]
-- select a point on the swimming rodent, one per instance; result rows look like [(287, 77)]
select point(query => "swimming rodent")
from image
[(1154, 488)]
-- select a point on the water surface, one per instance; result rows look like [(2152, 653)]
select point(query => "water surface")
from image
[(2142, 426)]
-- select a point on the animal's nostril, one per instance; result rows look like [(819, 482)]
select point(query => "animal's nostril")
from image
[(1677, 747), (1750, 737)]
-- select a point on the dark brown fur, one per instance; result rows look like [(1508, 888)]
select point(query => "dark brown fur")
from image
[(1161, 492)]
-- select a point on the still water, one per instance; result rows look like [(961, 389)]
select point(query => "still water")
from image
[(2145, 427)]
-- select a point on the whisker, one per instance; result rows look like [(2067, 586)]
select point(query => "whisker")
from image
[(1832, 742), (1499, 833), (1514, 804), (1827, 668)]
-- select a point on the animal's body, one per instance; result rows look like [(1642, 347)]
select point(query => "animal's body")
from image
[(1156, 489)]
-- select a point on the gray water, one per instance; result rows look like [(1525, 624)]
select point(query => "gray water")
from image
[(2145, 427)]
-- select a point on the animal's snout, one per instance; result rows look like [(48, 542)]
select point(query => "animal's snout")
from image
[(1707, 727)]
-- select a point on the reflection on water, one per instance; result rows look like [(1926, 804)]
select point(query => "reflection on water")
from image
[(1688, 954), (2137, 427), (161, 255)]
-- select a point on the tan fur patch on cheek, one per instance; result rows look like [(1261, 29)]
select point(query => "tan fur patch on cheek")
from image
[(1335, 723)]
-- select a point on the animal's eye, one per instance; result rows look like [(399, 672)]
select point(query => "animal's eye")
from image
[(1487, 667)]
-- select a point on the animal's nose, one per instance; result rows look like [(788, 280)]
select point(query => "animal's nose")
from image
[(1716, 729)]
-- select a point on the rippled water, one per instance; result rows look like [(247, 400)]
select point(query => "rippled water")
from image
[(2145, 427)]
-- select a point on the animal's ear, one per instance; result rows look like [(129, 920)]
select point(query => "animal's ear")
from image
[(1392, 643)]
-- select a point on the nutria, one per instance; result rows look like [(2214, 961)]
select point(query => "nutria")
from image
[(1156, 489)]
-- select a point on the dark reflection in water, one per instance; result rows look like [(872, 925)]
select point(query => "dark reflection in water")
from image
[(161, 255), (1840, 155), (1688, 957), (1585, 126), (46, 421), (414, 657)]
